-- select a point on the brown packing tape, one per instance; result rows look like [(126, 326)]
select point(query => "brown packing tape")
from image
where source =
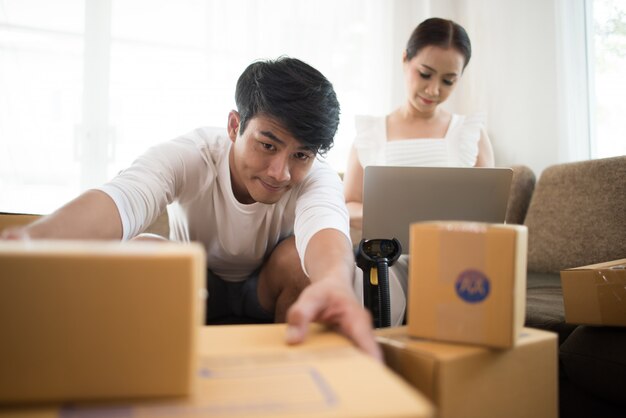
[(463, 265)]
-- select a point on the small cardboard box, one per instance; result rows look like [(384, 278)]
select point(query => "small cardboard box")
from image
[(595, 294), (467, 282), (98, 320), (466, 381), (249, 371)]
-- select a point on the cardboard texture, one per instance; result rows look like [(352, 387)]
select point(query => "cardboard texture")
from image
[(467, 282), (98, 320), (249, 371), (466, 381), (595, 294), (15, 219)]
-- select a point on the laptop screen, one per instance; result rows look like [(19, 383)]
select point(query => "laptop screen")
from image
[(395, 197)]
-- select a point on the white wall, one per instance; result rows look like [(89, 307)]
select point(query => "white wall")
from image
[(512, 75), (514, 79), (405, 15)]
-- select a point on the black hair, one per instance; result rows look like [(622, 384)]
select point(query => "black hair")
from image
[(442, 33), (294, 94)]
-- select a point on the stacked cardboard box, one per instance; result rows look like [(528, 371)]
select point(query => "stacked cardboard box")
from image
[(464, 345), (467, 282), (466, 381), (84, 323)]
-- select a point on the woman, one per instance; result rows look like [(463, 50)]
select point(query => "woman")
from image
[(420, 132)]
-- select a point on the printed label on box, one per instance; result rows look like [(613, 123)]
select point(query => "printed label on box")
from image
[(472, 286)]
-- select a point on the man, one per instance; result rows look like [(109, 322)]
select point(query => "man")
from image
[(270, 214)]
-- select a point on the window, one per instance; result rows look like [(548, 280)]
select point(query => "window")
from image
[(40, 94), (87, 85), (606, 38)]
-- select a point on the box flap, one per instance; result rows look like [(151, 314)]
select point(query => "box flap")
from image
[(600, 266)]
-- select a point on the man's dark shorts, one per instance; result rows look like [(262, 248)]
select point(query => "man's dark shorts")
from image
[(234, 302)]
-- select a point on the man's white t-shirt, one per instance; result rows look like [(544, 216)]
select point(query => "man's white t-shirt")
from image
[(191, 174)]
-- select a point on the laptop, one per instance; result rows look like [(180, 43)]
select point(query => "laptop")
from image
[(395, 197)]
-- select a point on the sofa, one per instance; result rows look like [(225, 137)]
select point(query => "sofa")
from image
[(576, 216)]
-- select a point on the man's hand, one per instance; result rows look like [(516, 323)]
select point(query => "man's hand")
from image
[(334, 305)]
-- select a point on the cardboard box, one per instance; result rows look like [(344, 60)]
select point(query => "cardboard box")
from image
[(595, 294), (466, 381), (249, 371), (98, 320), (467, 282), (15, 219)]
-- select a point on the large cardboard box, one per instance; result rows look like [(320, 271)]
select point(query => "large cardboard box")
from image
[(98, 320), (595, 294), (467, 282), (249, 371), (466, 381)]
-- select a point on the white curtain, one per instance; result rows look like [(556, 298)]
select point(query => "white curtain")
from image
[(88, 85)]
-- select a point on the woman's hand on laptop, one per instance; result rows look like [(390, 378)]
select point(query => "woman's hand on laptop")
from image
[(334, 305)]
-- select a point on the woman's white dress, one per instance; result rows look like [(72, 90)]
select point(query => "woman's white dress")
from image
[(458, 148)]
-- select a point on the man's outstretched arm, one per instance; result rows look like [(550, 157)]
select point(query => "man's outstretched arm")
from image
[(92, 215), (330, 298)]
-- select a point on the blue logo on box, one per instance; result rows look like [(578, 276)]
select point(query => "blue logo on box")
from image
[(472, 286)]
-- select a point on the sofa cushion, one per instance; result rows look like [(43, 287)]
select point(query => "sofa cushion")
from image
[(577, 215), (522, 186), (544, 305)]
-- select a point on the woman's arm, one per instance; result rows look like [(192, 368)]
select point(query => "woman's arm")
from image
[(353, 189), (485, 151)]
